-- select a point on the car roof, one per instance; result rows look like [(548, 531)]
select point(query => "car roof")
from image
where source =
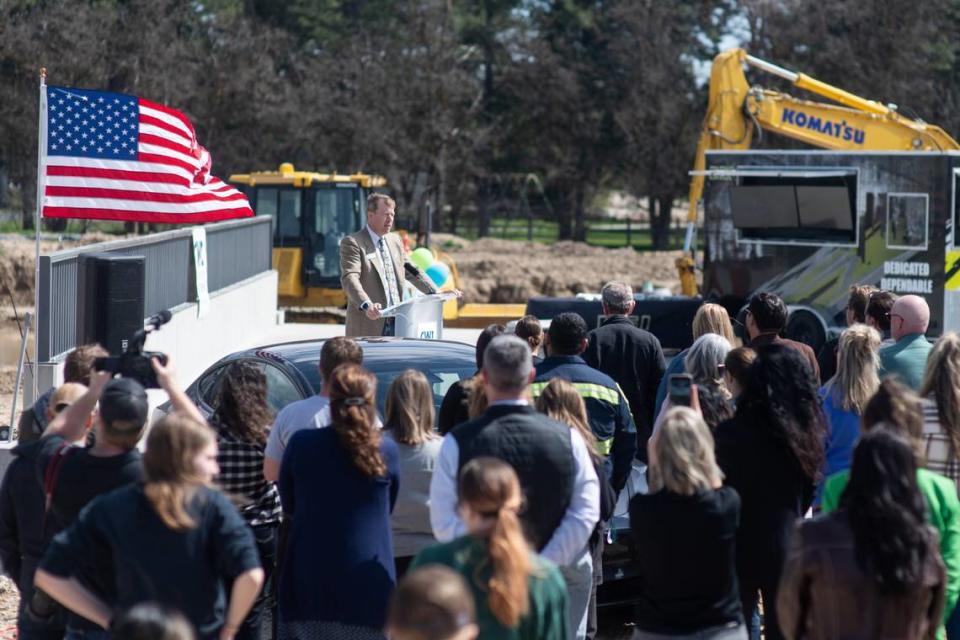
[(300, 350)]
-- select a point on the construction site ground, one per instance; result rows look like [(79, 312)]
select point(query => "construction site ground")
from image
[(491, 270)]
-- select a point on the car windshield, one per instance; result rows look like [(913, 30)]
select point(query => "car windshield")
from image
[(442, 367)]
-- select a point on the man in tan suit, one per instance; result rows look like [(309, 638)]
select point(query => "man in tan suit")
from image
[(373, 268)]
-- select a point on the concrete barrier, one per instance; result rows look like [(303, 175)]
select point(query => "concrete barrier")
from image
[(238, 315)]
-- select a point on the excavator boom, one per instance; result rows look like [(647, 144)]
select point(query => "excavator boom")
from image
[(735, 112)]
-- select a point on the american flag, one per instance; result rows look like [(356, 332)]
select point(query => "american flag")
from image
[(111, 156)]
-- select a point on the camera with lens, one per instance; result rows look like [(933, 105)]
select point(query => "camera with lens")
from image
[(134, 362)]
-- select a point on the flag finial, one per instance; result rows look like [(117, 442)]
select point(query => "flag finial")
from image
[(43, 73)]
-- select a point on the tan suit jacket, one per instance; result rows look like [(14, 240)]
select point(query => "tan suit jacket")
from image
[(361, 278)]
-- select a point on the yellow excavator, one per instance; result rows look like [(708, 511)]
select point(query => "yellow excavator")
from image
[(736, 112)]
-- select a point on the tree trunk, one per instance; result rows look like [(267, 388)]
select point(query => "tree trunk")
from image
[(565, 216), (440, 195), (28, 190), (666, 213), (55, 224), (579, 224), (659, 223), (483, 220)]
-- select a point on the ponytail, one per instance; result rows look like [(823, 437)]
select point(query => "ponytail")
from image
[(354, 426), (510, 554), (352, 395), (490, 487)]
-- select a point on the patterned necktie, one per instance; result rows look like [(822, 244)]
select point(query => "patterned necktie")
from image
[(389, 275)]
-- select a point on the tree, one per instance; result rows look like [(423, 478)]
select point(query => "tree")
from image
[(656, 45), (892, 51)]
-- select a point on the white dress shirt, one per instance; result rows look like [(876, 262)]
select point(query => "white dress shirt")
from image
[(568, 540)]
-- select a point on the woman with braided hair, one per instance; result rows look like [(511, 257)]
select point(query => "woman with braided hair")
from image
[(339, 486), (518, 595)]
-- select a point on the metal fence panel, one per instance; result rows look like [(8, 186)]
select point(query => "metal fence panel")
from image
[(236, 250), (234, 255)]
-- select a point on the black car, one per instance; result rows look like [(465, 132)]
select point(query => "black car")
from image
[(292, 374), (292, 369)]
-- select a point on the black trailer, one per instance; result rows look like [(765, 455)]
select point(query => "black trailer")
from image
[(807, 224)]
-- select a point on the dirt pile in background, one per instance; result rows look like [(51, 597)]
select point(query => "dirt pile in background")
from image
[(16, 263), (493, 270)]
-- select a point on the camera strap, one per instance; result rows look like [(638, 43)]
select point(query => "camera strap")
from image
[(51, 476)]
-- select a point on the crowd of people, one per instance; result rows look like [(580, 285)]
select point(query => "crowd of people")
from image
[(790, 494)]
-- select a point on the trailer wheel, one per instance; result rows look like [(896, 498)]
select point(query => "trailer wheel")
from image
[(806, 327)]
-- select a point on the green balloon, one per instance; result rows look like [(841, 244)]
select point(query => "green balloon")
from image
[(422, 257)]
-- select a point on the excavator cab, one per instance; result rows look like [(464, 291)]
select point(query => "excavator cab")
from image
[(312, 213)]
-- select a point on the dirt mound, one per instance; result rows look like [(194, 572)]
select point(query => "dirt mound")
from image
[(493, 270), (17, 267)]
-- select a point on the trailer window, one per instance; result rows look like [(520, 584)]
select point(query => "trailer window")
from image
[(806, 208), (907, 218)]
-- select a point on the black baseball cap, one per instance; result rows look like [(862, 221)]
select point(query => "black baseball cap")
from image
[(124, 400)]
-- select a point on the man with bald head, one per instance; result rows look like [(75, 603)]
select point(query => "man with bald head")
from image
[(907, 357)]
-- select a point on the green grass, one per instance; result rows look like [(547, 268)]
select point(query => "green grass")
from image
[(610, 234), (73, 227)]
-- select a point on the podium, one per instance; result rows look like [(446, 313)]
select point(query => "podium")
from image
[(419, 317)]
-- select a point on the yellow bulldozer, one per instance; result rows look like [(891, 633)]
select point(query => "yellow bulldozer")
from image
[(312, 212)]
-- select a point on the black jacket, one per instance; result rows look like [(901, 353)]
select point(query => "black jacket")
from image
[(454, 409), (539, 450), (21, 514), (21, 532), (774, 491), (633, 358)]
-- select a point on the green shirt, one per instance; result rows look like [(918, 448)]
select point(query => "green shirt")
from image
[(546, 618), (907, 359), (943, 512)]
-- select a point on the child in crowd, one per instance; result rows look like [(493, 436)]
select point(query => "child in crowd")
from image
[(432, 603)]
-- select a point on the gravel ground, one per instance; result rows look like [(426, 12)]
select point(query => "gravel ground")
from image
[(9, 600)]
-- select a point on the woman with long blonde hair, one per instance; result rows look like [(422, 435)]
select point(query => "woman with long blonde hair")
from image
[(709, 318), (689, 587), (518, 594), (847, 393), (409, 423), (561, 401), (174, 540), (339, 485)]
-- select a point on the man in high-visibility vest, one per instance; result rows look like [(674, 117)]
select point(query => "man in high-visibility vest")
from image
[(607, 409)]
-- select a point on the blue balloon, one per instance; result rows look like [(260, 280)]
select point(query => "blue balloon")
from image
[(439, 273)]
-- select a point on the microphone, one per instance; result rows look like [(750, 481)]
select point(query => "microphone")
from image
[(160, 319)]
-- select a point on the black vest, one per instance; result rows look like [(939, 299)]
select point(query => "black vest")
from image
[(539, 450)]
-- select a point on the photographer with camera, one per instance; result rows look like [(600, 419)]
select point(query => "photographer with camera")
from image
[(72, 476)]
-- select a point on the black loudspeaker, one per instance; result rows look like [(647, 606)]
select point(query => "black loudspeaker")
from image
[(110, 299)]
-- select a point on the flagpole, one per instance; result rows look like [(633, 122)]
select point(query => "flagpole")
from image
[(41, 183)]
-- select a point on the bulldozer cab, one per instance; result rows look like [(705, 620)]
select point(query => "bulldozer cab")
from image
[(311, 213)]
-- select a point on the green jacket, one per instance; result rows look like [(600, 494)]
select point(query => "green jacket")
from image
[(907, 359), (546, 618), (943, 512)]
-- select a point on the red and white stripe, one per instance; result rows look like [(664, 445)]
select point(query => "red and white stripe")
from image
[(170, 182)]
